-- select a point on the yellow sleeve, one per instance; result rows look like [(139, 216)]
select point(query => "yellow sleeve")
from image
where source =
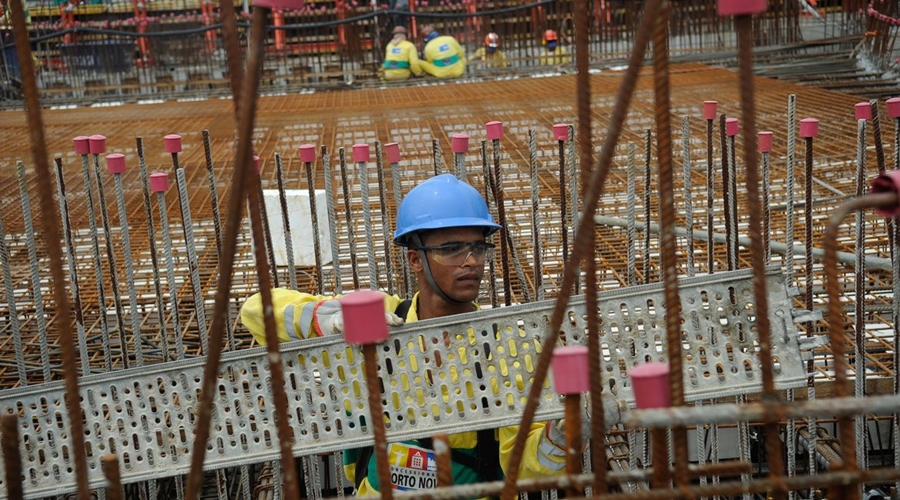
[(414, 65), (459, 50), (294, 313), (541, 458)]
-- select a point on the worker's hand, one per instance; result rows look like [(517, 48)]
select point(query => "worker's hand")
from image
[(612, 408), (330, 319)]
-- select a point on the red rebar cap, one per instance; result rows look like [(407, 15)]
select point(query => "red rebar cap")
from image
[(561, 131), (97, 144), (863, 111), (709, 109), (888, 182), (364, 321), (731, 127), (159, 182), (392, 150), (570, 369), (256, 165), (307, 153), (741, 7), (765, 141), (361, 153), (459, 143), (82, 144), (809, 127), (279, 4), (173, 143), (115, 163), (494, 130), (893, 107), (650, 382)]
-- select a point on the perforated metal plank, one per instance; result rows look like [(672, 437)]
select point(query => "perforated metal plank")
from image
[(468, 372)]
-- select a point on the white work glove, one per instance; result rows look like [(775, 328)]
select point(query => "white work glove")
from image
[(556, 429), (330, 318)]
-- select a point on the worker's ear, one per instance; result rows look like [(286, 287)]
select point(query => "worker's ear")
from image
[(415, 259)]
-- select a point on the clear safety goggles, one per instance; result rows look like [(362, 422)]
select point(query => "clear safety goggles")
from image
[(455, 254)]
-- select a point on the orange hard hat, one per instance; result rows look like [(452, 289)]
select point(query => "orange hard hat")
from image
[(550, 35), (492, 40)]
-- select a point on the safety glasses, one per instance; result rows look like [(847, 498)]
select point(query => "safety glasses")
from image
[(455, 254)]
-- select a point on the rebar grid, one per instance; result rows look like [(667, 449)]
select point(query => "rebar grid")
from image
[(832, 177)]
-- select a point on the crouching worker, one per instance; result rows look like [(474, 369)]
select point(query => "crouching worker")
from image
[(400, 58), (443, 56), (446, 228)]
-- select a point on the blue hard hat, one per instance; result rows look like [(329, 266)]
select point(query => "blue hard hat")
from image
[(440, 202)]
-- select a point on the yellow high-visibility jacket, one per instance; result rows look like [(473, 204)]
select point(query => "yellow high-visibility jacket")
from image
[(401, 61), (444, 58), (294, 317), (559, 56), (495, 60)]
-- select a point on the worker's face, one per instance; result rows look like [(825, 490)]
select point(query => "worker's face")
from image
[(460, 281)]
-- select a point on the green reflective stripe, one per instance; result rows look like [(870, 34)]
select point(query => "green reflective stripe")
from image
[(447, 61), (396, 65)]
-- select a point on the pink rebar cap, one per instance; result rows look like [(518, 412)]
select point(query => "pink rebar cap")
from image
[(731, 127), (888, 182), (115, 163), (459, 143), (159, 182), (650, 382), (97, 144), (863, 111), (893, 107), (364, 321), (256, 165), (392, 150), (809, 127), (361, 153), (307, 153), (173, 143), (741, 7), (765, 141), (709, 109), (570, 369), (279, 4), (82, 144), (494, 130), (561, 131)]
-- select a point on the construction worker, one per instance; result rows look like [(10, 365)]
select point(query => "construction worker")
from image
[(400, 57), (446, 228), (489, 55), (443, 57), (554, 54)]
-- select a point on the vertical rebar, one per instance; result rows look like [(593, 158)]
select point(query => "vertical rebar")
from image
[(536, 218), (688, 193), (129, 268), (111, 260), (788, 267), (437, 156), (385, 220), (110, 465), (332, 217), (573, 192), (170, 271), (407, 276), (497, 187), (187, 224), (710, 198), (98, 267), (631, 200), (378, 431), (286, 224), (564, 227), (267, 230), (348, 217), (488, 182), (812, 426), (78, 454), (648, 160), (36, 289), (73, 278), (21, 370), (859, 353), (217, 225), (767, 209), (730, 259), (314, 217), (363, 172)]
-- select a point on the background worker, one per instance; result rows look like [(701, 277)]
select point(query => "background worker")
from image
[(400, 58), (445, 226), (490, 55), (553, 54), (442, 56)]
